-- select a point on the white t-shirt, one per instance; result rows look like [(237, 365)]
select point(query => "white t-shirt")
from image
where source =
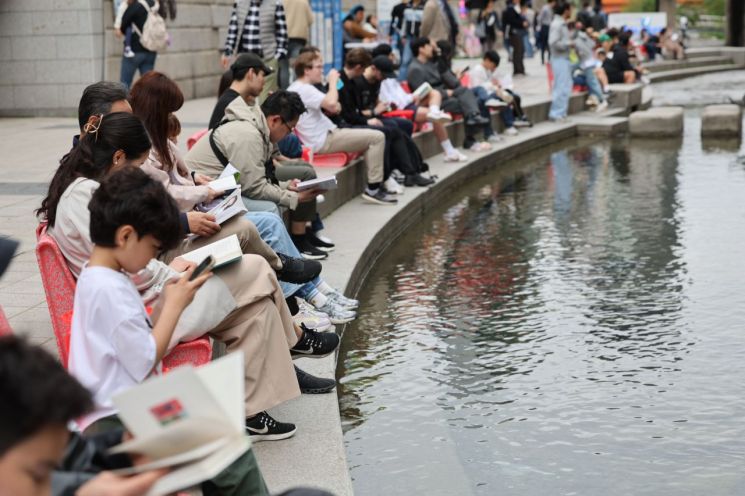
[(313, 126), (111, 344), (479, 76), (392, 92)]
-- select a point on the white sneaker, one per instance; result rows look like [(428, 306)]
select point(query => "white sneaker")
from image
[(392, 186), (602, 106), (438, 116), (591, 101), (493, 103), (456, 156), (494, 138), (480, 147), (128, 52), (511, 131)]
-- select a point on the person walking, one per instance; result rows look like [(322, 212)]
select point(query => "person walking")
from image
[(263, 32), (412, 20), (488, 26), (515, 25), (438, 22), (560, 44), (299, 20), (142, 59), (544, 22)]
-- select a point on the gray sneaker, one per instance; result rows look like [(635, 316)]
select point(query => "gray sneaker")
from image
[(380, 196), (337, 314), (343, 301)]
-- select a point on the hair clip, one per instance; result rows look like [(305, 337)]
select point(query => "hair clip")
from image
[(93, 127)]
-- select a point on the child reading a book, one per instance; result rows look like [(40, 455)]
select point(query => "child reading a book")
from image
[(113, 344)]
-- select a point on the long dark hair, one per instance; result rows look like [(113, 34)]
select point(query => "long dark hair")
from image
[(153, 97), (93, 156)]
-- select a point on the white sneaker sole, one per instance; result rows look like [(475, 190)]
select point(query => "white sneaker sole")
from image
[(255, 438)]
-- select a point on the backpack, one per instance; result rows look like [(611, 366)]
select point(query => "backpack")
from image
[(154, 36)]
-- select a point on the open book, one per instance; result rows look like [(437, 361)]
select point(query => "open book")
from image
[(225, 208), (191, 420), (422, 91), (324, 183), (224, 251), (223, 183)]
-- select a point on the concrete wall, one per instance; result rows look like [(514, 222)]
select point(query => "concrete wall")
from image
[(51, 49)]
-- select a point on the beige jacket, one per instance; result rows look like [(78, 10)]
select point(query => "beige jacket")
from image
[(434, 25), (178, 182), (299, 19), (244, 140)]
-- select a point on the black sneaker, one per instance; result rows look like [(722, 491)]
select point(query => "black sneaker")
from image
[(310, 384), (315, 344), (418, 180), (381, 197), (262, 427), (297, 270), (318, 242), (307, 250), (476, 119)]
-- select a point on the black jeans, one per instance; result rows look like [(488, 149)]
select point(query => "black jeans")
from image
[(518, 51)]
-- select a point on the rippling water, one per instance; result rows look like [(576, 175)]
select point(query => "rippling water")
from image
[(572, 324)]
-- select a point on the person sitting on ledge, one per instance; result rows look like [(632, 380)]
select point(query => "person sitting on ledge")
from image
[(321, 135), (423, 69), (617, 66), (484, 82), (401, 152)]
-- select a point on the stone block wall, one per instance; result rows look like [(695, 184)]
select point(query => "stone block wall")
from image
[(50, 50)]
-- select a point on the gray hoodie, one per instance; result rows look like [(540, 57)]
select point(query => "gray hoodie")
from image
[(558, 37), (584, 45)]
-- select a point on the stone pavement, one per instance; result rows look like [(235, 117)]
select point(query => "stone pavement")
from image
[(30, 150)]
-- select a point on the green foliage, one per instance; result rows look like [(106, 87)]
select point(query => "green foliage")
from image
[(713, 7)]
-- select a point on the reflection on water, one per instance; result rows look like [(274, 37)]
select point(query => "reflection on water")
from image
[(569, 325)]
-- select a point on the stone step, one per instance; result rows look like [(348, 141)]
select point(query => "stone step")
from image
[(674, 65), (695, 71)]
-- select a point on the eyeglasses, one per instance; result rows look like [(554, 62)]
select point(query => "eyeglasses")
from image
[(289, 128), (317, 66)]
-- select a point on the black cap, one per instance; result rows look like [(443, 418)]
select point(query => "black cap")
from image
[(250, 60), (384, 65)]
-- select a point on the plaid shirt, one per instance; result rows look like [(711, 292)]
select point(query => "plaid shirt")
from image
[(251, 33)]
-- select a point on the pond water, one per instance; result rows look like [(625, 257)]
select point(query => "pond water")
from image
[(570, 324)]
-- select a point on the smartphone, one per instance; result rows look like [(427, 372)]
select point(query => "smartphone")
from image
[(465, 69), (203, 267)]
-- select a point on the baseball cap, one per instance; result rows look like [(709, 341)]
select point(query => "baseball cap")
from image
[(603, 38), (384, 65), (250, 60)]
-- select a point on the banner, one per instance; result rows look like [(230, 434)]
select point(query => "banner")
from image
[(653, 22)]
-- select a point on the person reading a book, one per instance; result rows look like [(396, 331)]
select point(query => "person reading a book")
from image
[(458, 100), (242, 306), (153, 99), (484, 82), (401, 152), (424, 103), (39, 456), (321, 135)]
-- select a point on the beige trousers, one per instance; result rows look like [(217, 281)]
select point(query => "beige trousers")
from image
[(248, 236), (369, 141), (261, 328)]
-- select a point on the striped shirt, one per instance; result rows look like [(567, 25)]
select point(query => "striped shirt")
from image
[(264, 30)]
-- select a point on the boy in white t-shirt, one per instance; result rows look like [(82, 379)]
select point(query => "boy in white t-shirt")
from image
[(113, 345)]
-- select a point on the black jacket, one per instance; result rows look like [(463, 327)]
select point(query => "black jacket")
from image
[(512, 21), (137, 15), (351, 103)]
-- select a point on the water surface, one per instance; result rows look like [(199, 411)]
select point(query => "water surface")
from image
[(570, 324)]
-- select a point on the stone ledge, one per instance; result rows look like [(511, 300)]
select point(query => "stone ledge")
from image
[(721, 121), (657, 122)]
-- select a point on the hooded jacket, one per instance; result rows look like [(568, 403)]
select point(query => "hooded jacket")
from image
[(243, 138)]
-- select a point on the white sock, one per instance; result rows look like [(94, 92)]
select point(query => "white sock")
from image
[(434, 108), (447, 146), (325, 288), (318, 300)]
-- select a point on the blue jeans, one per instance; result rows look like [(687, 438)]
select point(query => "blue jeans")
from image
[(593, 85), (406, 58), (144, 61), (528, 45), (274, 233), (507, 114), (562, 87)]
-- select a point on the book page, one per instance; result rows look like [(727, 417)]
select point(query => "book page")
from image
[(228, 372), (224, 251), (223, 183), (324, 183), (230, 170), (229, 207)]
